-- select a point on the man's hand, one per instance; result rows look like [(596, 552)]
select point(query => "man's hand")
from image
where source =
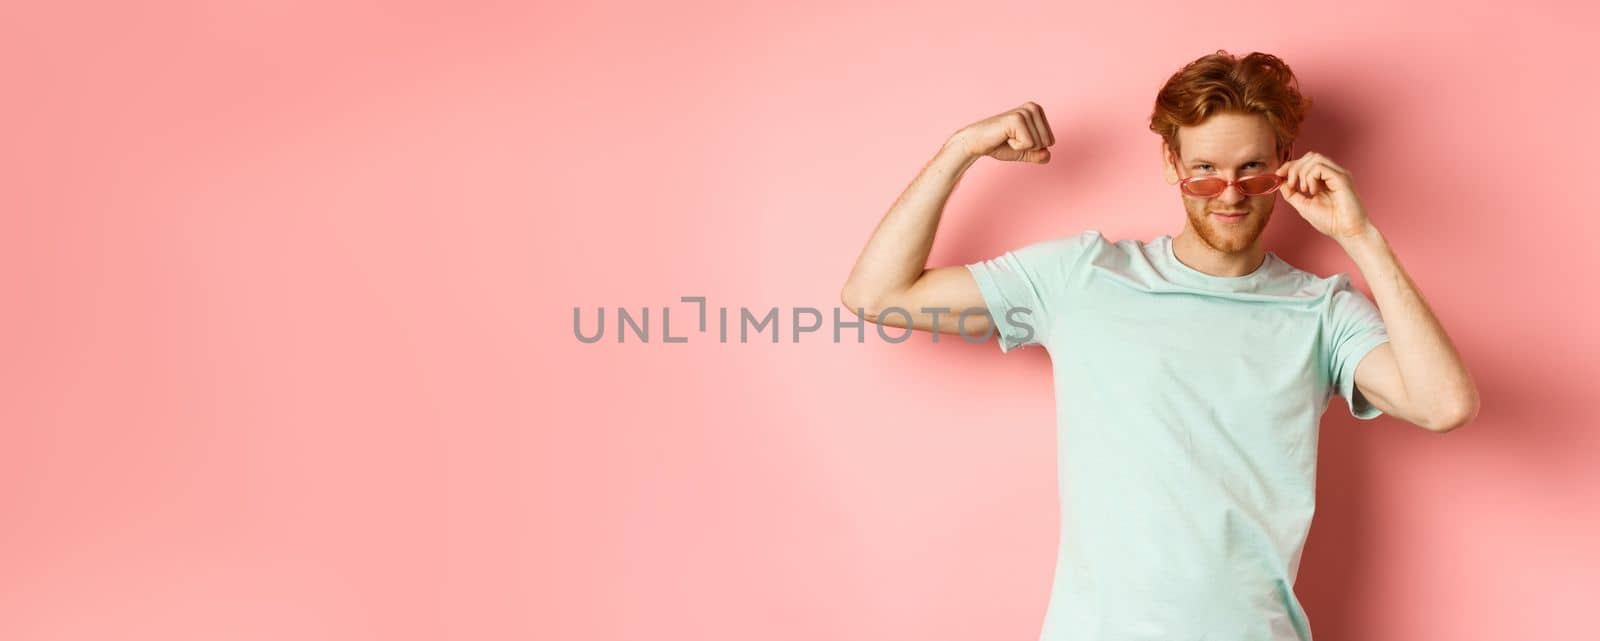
[(1323, 194), (1021, 134)]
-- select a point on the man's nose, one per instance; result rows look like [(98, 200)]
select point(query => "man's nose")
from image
[(1231, 195)]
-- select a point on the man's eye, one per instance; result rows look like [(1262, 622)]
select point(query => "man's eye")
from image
[(1205, 167)]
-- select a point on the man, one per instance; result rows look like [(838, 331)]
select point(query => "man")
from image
[(1190, 372)]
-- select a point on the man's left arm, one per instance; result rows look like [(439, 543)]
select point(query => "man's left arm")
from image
[(1417, 375)]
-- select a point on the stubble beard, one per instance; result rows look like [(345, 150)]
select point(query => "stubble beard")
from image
[(1219, 236)]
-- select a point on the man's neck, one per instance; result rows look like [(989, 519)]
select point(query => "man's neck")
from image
[(1195, 253)]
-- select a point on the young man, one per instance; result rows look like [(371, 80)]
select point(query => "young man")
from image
[(1190, 372)]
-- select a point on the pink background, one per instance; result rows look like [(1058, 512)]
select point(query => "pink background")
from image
[(289, 286)]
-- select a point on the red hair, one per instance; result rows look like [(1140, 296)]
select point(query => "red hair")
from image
[(1258, 83)]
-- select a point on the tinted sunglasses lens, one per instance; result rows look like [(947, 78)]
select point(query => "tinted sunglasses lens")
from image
[(1205, 187), (1258, 185)]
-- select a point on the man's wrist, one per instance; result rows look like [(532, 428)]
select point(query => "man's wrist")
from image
[(956, 150), (1369, 242)]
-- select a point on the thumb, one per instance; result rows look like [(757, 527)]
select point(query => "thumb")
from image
[(1294, 197), (1040, 156)]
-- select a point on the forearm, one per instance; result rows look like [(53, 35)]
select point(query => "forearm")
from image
[(897, 253), (1436, 380)]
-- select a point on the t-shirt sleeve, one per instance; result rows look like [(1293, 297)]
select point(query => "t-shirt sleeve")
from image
[(1353, 329), (1024, 288)]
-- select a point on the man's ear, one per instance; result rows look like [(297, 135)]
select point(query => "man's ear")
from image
[(1167, 168)]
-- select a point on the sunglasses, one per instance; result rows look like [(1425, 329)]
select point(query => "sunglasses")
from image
[(1213, 186)]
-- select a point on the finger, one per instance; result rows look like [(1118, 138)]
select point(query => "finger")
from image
[(1314, 178), (1048, 134), (1019, 135), (1287, 171), (1039, 156), (1338, 175), (1293, 197), (1321, 174), (1331, 176), (1298, 198), (1033, 126), (1317, 175), (1329, 162), (1044, 125)]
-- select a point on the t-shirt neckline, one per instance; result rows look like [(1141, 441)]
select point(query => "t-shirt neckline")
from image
[(1200, 277)]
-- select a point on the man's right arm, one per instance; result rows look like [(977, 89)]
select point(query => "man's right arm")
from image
[(892, 272)]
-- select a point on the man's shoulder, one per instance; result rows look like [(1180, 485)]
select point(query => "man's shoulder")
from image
[(1308, 284), (1063, 247), (1085, 238)]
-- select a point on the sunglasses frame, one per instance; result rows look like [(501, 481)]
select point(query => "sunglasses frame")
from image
[(1185, 183)]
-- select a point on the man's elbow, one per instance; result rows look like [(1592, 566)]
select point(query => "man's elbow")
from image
[(1462, 414), (857, 302)]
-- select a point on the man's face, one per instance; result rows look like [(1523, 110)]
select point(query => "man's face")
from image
[(1229, 145)]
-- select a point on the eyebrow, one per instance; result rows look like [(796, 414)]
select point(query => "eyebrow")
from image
[(1197, 161)]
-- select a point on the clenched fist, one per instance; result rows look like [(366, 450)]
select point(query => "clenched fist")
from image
[(1021, 134)]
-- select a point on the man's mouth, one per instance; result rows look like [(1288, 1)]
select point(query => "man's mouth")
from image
[(1230, 217)]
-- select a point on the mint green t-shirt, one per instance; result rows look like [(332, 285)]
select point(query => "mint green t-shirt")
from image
[(1187, 409)]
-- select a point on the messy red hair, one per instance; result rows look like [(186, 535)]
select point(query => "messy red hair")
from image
[(1258, 83)]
